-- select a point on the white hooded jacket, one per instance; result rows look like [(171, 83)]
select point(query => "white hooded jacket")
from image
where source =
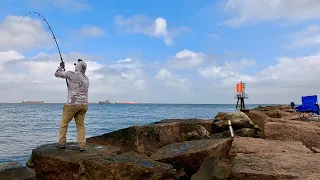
[(78, 83)]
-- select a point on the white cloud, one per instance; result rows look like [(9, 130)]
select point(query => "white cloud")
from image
[(229, 71), (173, 80), (226, 76), (141, 24), (40, 69), (307, 37), (27, 35), (285, 81), (7, 56), (130, 79), (34, 76), (245, 11), (92, 31), (187, 59), (125, 60)]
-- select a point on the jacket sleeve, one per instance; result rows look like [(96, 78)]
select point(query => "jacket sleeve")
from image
[(63, 74)]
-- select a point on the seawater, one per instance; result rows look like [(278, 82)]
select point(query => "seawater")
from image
[(26, 126)]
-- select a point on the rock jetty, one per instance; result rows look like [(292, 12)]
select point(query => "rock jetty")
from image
[(270, 143)]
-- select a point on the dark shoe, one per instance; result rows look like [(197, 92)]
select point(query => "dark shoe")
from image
[(60, 146), (81, 149)]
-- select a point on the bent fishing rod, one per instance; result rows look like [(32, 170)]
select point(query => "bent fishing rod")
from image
[(52, 35)]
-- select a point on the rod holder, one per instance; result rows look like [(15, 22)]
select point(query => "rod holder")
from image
[(231, 129)]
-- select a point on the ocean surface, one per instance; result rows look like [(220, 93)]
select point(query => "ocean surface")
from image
[(26, 126)]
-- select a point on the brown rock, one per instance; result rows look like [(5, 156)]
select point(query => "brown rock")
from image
[(186, 124), (189, 155), (265, 108), (285, 130), (96, 163), (264, 166), (245, 132), (249, 145), (238, 120), (15, 171), (315, 149), (213, 169), (264, 159), (196, 132), (142, 139), (258, 118), (292, 117), (277, 113)]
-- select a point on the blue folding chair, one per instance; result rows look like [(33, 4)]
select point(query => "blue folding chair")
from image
[(309, 105)]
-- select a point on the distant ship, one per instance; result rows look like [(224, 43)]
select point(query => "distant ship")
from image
[(105, 102), (118, 102), (32, 102)]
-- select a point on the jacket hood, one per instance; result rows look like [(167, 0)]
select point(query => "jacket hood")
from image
[(81, 66)]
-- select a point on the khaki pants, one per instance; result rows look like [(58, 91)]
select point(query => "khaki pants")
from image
[(77, 112)]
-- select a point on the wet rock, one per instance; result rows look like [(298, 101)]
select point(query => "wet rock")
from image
[(142, 139), (189, 155), (238, 120), (15, 171), (213, 169), (266, 166), (285, 130), (96, 163)]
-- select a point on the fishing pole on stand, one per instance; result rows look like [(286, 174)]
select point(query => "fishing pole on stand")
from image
[(52, 35)]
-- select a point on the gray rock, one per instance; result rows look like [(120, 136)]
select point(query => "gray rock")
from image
[(238, 120), (15, 171)]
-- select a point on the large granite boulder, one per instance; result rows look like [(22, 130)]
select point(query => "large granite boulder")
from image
[(213, 169), (15, 171), (238, 120), (257, 117), (148, 138), (247, 145), (186, 125), (244, 132), (286, 130), (96, 163), (263, 159), (195, 132), (189, 155), (142, 139), (278, 111), (276, 166)]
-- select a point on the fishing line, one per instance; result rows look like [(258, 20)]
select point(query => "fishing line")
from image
[(54, 37)]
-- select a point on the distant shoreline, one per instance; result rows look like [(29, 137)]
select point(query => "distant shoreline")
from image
[(152, 103)]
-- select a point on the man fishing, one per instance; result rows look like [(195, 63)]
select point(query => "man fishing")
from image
[(77, 102)]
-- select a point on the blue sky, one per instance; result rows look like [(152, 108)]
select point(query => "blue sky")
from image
[(216, 35)]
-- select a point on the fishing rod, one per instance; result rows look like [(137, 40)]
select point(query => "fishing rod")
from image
[(52, 35)]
